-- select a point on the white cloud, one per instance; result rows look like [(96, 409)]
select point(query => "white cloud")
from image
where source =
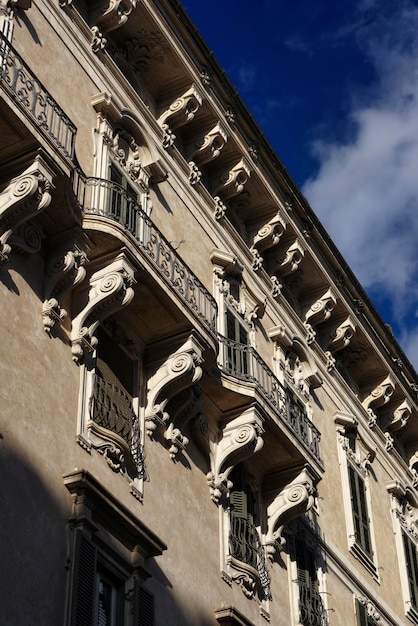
[(366, 189)]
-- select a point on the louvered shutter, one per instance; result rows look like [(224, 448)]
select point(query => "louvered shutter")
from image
[(144, 609), (360, 512), (84, 579), (412, 568), (362, 618)]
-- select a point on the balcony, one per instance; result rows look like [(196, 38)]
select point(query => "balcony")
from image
[(311, 607), (242, 362), (19, 82), (107, 199)]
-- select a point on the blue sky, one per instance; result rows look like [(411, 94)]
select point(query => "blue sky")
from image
[(334, 87)]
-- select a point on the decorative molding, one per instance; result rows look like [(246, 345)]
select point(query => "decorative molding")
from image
[(404, 505), (194, 174), (98, 41), (233, 182), (182, 110), (179, 372), (267, 237), (125, 150), (64, 270), (27, 238), (230, 616), (370, 608), (111, 288), (294, 500), (379, 396), (26, 196), (220, 208), (240, 439)]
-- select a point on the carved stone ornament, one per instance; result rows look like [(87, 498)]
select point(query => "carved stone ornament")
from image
[(289, 261), (146, 48), (404, 505), (370, 608), (124, 149), (294, 500), (184, 407), (27, 238), (179, 372), (331, 361), (379, 396), (267, 237), (194, 174), (64, 270), (239, 439), (25, 196), (400, 416), (321, 309), (233, 182), (111, 288), (276, 287), (220, 208), (182, 110), (111, 14), (342, 335), (98, 41), (209, 147)]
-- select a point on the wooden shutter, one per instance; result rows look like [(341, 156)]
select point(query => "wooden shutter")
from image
[(359, 509), (411, 568), (144, 610), (362, 617), (84, 579)]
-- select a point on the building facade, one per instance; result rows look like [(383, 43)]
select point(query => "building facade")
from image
[(204, 419)]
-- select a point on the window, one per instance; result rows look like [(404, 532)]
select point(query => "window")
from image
[(359, 511), (411, 560), (366, 612), (311, 608), (107, 582), (237, 345)]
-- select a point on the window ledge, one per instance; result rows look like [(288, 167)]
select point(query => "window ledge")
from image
[(358, 552)]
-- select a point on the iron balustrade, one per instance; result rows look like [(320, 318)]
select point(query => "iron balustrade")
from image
[(98, 196), (244, 363), (17, 77), (311, 607)]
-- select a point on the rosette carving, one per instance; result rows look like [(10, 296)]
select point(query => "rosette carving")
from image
[(178, 373), (111, 288), (294, 500), (25, 196), (240, 439)]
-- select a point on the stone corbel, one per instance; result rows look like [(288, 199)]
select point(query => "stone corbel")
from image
[(267, 237), (183, 408), (342, 335), (241, 438), (293, 501), (400, 416), (64, 270), (233, 181), (111, 288), (209, 147), (25, 196), (111, 14), (378, 397), (27, 238), (319, 312), (182, 110), (179, 372), (289, 261)]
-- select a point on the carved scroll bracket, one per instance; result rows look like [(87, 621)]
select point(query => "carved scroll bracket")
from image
[(179, 372), (110, 15), (319, 312), (240, 439), (111, 288), (400, 416), (267, 237), (182, 110), (342, 335), (378, 397), (209, 147), (294, 500), (290, 260), (233, 182), (25, 196), (64, 270)]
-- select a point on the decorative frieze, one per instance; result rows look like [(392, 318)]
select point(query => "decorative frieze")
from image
[(64, 270), (267, 237), (179, 372), (378, 397), (239, 439), (111, 288), (293, 500), (25, 196)]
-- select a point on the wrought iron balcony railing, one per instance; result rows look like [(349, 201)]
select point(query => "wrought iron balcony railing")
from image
[(97, 196), (17, 78), (311, 607), (244, 363)]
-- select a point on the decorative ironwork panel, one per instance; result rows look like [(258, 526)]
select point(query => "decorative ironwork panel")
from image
[(17, 77), (311, 607), (98, 196)]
